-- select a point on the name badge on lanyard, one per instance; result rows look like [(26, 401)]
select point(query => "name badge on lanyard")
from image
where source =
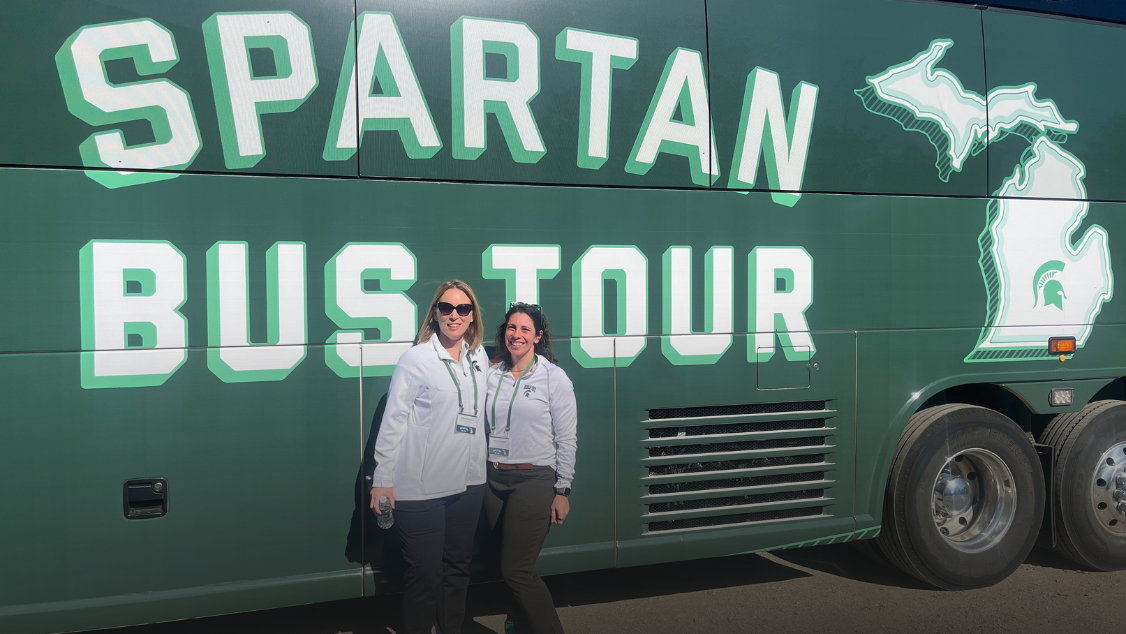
[(466, 422), (498, 446)]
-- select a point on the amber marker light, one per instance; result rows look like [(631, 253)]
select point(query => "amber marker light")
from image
[(1062, 346)]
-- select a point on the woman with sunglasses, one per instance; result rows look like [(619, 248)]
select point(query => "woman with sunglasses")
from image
[(532, 419), (430, 457)]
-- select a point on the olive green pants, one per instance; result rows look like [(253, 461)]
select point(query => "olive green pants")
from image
[(518, 505)]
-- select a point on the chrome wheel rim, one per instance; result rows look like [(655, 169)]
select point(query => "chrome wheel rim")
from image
[(1108, 490), (974, 500)]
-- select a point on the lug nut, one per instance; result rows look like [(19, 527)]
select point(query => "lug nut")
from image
[(1119, 494), (1122, 508), (1120, 481)]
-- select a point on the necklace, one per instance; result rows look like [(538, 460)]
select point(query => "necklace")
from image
[(521, 371)]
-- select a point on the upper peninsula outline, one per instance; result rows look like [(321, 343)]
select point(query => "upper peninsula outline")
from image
[(1041, 280)]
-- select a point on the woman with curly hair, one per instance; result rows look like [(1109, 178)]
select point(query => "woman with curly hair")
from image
[(531, 413)]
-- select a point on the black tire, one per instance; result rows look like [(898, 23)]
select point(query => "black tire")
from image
[(911, 538), (1081, 439)]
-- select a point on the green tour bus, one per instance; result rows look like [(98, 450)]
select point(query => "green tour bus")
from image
[(821, 271)]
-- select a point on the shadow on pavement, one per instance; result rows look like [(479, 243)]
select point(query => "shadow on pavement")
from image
[(1050, 559), (380, 615), (604, 586), (844, 560)]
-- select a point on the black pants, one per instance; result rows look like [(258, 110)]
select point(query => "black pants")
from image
[(437, 538), (518, 504)]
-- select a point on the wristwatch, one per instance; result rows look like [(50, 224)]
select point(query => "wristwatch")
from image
[(565, 492)]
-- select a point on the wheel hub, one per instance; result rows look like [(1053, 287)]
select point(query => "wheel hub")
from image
[(974, 500), (956, 496), (1108, 490)]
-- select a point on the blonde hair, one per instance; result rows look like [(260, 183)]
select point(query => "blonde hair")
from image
[(474, 334)]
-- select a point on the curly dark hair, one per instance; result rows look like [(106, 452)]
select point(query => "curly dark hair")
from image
[(542, 329)]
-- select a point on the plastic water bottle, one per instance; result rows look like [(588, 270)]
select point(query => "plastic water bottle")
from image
[(385, 519)]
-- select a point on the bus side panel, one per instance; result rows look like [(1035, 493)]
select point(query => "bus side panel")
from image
[(1068, 62), (657, 30), (260, 474), (834, 46), (256, 483), (51, 121)]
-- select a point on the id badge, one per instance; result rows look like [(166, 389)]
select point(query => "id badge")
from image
[(466, 424), (498, 446)]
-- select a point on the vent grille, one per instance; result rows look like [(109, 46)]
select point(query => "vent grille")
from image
[(739, 518), (734, 500), (735, 428), (735, 483), (730, 465), (743, 445), (735, 410), (796, 477)]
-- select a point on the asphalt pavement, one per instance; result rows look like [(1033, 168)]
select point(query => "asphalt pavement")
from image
[(822, 589)]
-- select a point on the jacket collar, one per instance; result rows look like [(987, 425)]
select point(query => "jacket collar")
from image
[(442, 354)]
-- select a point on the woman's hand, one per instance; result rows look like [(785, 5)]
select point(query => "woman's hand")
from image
[(560, 507), (381, 492)]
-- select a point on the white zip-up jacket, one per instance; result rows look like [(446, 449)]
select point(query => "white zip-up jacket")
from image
[(424, 449), (543, 415)]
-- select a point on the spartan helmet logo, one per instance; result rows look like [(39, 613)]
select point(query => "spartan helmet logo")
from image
[(1045, 284)]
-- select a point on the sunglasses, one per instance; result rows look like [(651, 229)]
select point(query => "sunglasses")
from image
[(462, 309), (532, 310)]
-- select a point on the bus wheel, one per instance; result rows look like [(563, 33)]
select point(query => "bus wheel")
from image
[(1089, 484), (965, 498)]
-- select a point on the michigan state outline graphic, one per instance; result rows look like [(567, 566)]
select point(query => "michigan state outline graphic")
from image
[(1041, 280)]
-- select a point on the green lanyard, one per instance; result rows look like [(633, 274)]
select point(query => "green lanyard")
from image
[(457, 384), (515, 389)]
